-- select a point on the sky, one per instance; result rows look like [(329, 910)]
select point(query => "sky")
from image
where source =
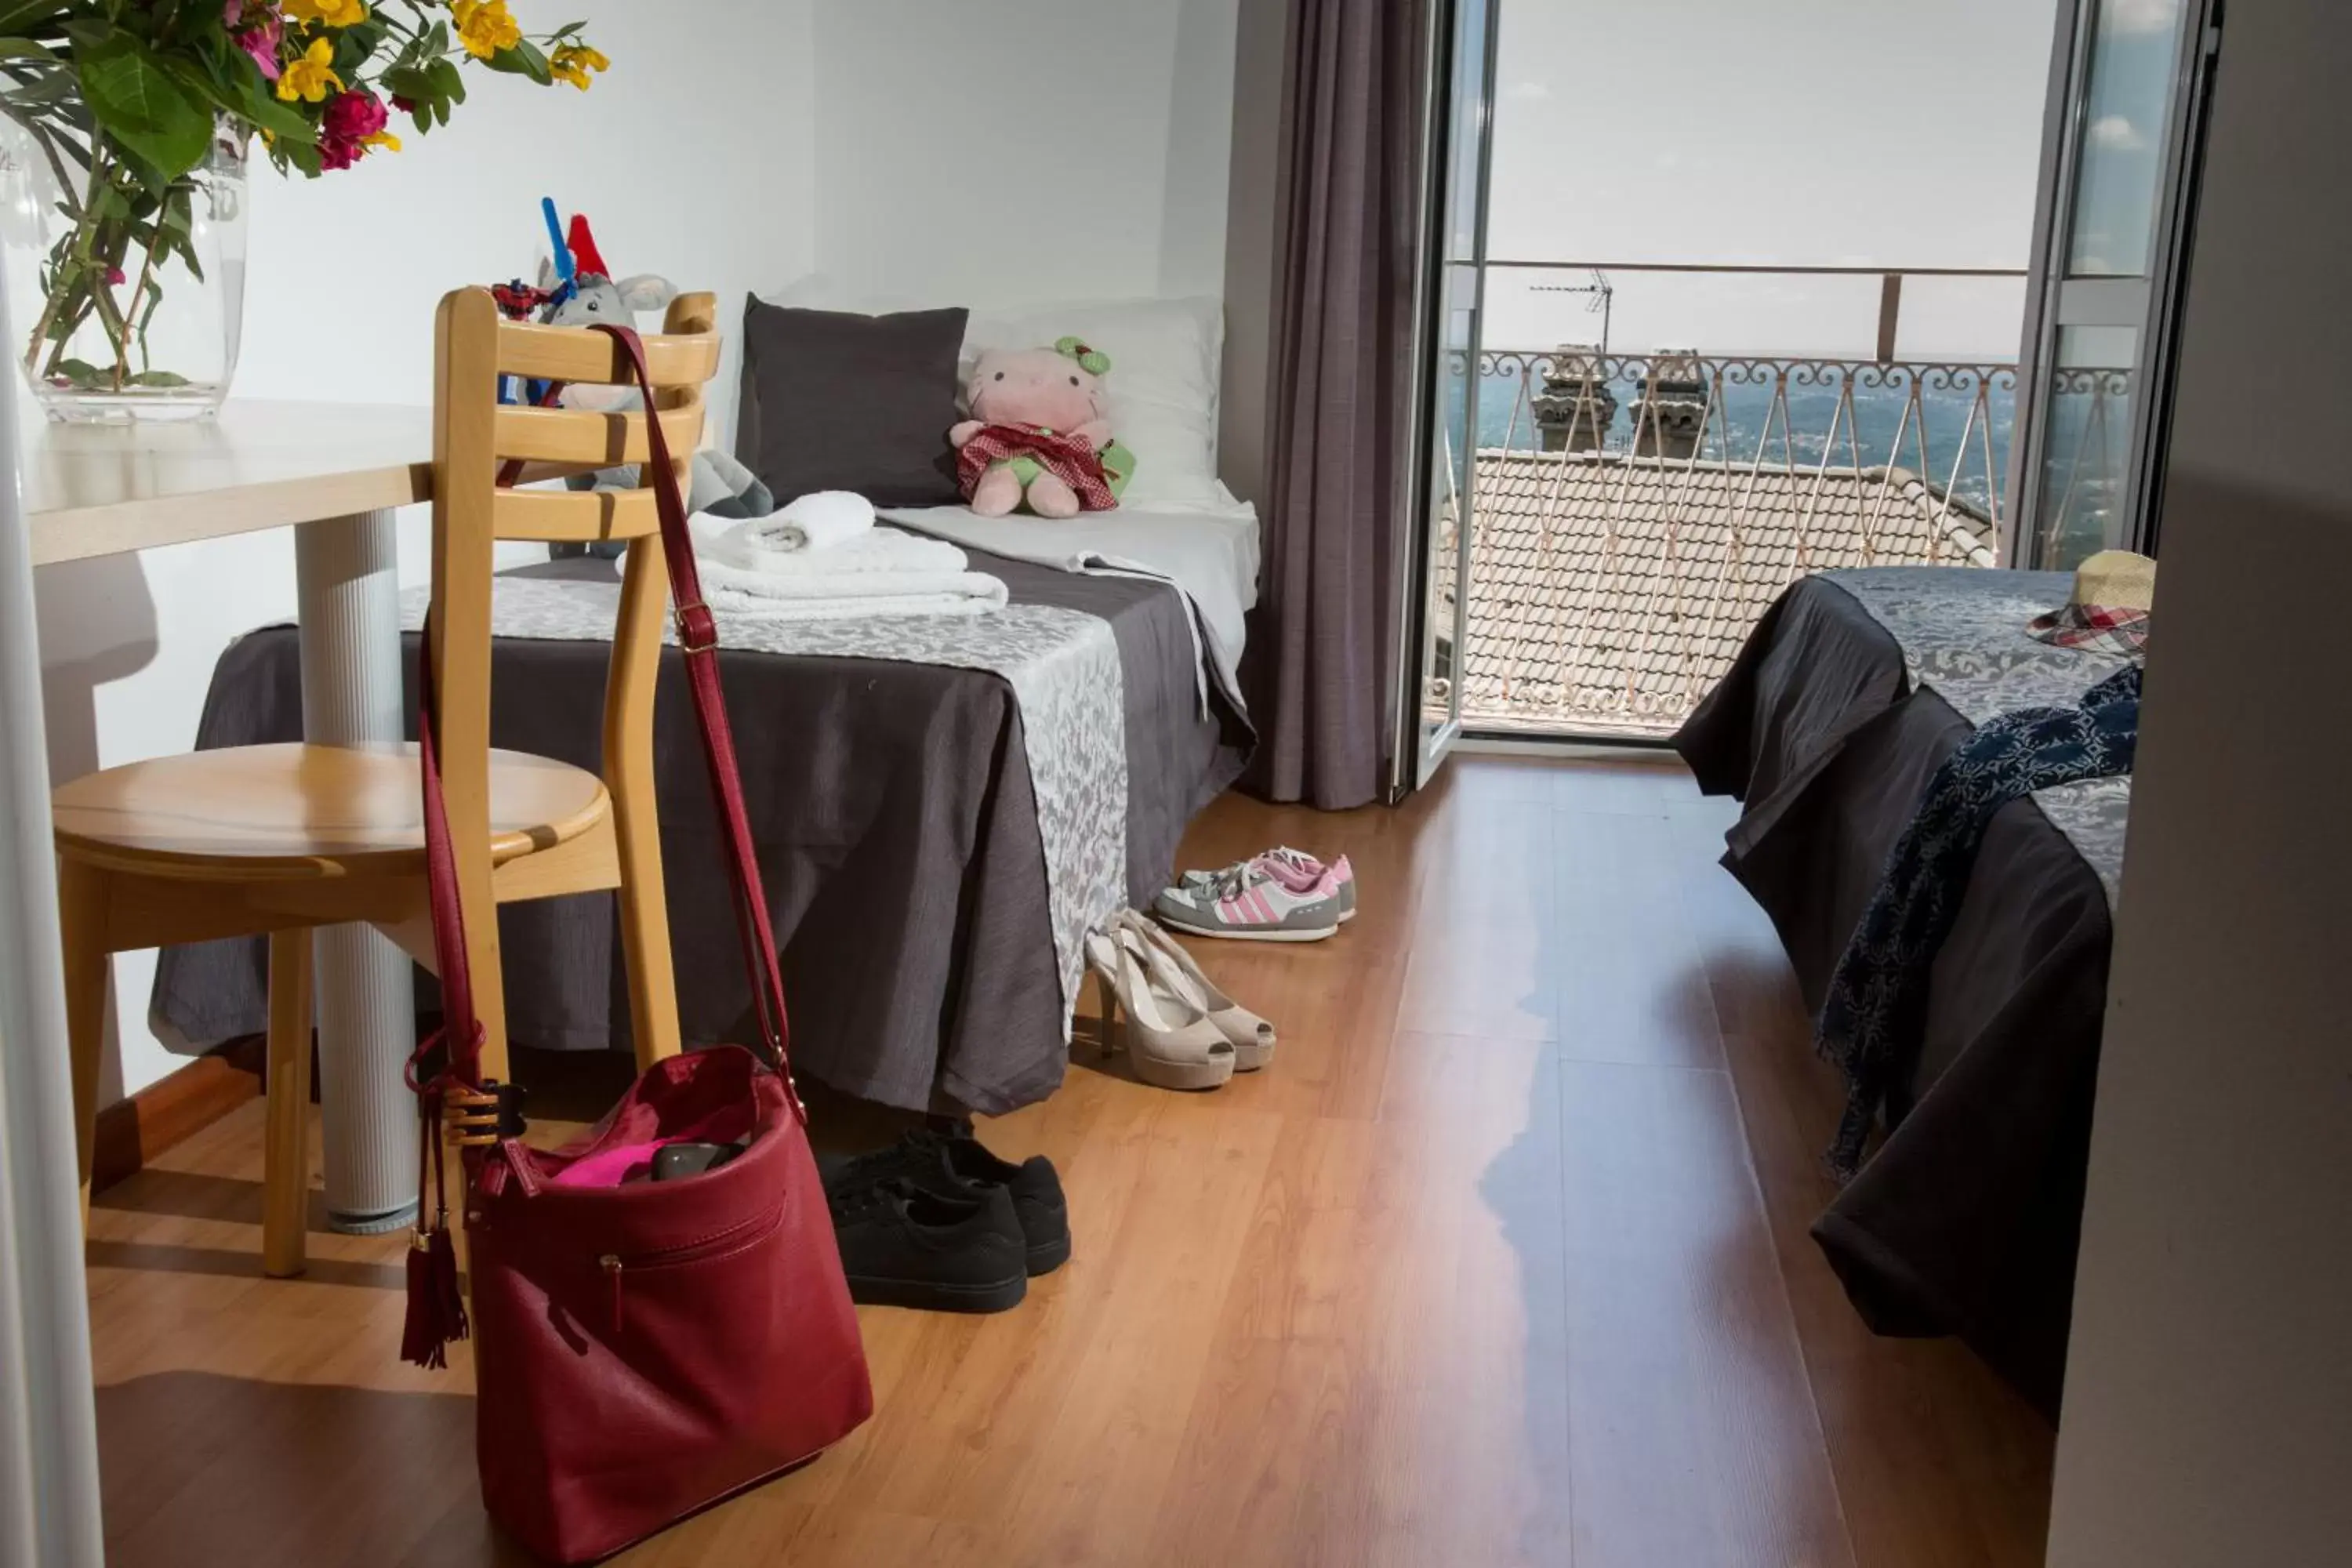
[(1869, 133)]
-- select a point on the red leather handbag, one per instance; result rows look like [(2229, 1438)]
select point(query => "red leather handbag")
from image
[(643, 1348)]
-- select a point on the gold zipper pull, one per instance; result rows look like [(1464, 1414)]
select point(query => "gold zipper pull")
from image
[(612, 1265)]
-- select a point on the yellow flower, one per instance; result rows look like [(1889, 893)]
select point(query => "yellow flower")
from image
[(385, 140), (573, 63), (312, 77), (485, 27), (333, 13)]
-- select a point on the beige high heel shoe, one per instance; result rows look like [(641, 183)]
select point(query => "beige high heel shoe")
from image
[(1171, 1042), (1253, 1038)]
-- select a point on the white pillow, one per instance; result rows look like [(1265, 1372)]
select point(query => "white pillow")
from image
[(1164, 366)]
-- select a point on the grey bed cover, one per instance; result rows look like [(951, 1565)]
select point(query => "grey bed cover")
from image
[(1965, 1220), (898, 839)]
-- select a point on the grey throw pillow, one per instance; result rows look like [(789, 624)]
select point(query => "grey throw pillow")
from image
[(836, 401)]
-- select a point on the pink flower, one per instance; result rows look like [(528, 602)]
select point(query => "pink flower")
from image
[(353, 116), (339, 152), (260, 40), (116, 276)]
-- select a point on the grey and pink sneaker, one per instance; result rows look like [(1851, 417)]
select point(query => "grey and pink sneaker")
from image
[(1295, 869), (1251, 905)]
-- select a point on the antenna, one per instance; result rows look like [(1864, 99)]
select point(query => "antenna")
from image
[(1601, 297)]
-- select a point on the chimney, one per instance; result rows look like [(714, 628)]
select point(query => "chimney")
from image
[(1670, 415), (1576, 408)]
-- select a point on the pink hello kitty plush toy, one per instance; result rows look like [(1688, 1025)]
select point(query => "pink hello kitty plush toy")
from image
[(1039, 435)]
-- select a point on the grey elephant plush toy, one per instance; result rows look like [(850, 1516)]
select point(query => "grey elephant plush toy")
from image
[(720, 485)]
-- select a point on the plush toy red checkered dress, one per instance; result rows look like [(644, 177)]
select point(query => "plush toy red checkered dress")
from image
[(1069, 458)]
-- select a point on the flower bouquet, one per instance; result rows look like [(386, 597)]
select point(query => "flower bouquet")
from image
[(128, 127)]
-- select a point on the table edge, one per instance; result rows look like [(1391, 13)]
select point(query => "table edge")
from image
[(83, 533)]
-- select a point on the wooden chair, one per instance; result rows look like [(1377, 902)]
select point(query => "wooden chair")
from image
[(277, 840)]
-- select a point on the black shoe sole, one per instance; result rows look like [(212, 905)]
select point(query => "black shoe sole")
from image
[(932, 1296), (1045, 1256)]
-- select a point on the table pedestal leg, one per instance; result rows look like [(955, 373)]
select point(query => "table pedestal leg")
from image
[(348, 590)]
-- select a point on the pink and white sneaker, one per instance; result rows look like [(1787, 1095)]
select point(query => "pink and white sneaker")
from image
[(1295, 869), (1251, 905)]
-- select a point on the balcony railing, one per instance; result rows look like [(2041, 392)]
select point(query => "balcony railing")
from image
[(1632, 516)]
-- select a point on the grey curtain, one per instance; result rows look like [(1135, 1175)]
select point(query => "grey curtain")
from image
[(1341, 399)]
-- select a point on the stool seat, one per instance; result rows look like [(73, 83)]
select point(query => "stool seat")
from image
[(302, 811)]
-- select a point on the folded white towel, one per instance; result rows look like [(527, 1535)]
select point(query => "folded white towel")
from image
[(732, 605), (821, 519), (733, 590), (880, 551), (880, 573)]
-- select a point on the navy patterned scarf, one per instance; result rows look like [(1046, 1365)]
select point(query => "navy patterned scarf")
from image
[(1874, 1019)]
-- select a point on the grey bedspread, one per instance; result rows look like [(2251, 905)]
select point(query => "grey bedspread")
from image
[(1964, 636), (1965, 1220), (898, 840), (1062, 665)]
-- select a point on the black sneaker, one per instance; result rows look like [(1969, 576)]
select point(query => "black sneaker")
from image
[(954, 1163), (901, 1247)]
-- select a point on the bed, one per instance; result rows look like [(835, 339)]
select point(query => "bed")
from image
[(1851, 691), (900, 826)]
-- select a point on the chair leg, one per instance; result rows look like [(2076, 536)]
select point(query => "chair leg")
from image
[(286, 1150), (645, 929), (83, 897)]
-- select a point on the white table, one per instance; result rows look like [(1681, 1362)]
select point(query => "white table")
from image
[(334, 472)]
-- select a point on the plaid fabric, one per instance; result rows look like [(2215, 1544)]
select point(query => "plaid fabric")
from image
[(1070, 459), (2095, 627)]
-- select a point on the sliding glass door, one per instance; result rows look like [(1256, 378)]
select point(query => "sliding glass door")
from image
[(2125, 132), (1451, 291)]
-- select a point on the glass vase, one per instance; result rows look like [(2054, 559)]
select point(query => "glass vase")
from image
[(123, 302)]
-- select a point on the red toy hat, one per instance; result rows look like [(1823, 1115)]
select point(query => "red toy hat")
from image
[(585, 257)]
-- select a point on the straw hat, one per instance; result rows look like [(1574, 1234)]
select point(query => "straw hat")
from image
[(2116, 580), (2109, 610)]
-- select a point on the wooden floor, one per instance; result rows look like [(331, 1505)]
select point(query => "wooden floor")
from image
[(1503, 1261)]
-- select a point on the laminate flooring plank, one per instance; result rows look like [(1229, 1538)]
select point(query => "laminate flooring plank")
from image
[(1502, 1262)]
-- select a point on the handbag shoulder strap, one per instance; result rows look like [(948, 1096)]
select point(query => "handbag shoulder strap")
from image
[(699, 642)]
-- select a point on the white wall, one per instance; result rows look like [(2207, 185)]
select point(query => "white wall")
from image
[(1023, 150), (2209, 1392), (989, 153), (690, 158)]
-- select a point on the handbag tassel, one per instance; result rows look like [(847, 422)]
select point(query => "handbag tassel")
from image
[(436, 1307)]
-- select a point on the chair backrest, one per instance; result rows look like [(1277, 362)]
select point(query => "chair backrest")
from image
[(476, 442)]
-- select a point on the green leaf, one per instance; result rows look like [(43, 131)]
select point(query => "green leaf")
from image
[(159, 378), (413, 83), (355, 46), (56, 86), (523, 59), (143, 106), (259, 107), (30, 15), (80, 373)]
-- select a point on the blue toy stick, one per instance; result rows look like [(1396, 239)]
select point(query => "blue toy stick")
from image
[(566, 268)]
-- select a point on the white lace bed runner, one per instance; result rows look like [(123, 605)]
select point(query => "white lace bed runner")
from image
[(1062, 664), (1950, 624)]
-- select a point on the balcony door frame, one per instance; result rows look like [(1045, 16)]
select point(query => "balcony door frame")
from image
[(2149, 304), (1420, 748)]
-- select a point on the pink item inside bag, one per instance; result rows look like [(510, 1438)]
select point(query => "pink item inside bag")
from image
[(625, 1163)]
